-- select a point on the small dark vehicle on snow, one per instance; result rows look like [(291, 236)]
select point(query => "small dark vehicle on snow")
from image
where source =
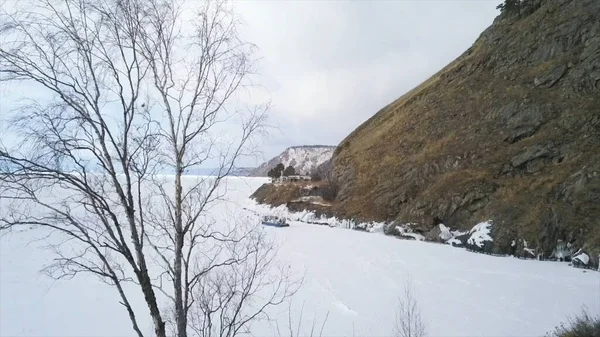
[(274, 221)]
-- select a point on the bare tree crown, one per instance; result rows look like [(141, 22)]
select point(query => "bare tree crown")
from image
[(132, 89), (408, 321)]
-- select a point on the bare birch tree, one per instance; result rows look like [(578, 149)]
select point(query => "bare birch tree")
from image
[(132, 89), (291, 326), (408, 315)]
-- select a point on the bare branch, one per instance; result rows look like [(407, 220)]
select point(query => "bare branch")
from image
[(408, 316), (130, 93)]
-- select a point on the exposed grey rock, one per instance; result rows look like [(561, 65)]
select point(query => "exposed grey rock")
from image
[(462, 239), (433, 234), (534, 152), (563, 251), (550, 78), (521, 132)]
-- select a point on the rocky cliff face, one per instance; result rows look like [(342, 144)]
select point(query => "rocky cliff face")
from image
[(509, 131), (305, 159)]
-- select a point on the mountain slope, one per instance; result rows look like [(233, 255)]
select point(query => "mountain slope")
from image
[(509, 131), (304, 159)]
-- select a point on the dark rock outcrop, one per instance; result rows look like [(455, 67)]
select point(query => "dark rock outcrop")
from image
[(296, 196)]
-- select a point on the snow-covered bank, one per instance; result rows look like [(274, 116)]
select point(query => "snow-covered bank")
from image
[(477, 239), (356, 277), (349, 273)]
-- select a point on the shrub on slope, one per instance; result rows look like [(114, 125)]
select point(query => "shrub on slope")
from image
[(583, 325)]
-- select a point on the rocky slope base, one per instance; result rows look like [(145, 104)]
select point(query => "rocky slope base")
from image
[(509, 131), (305, 159), (296, 196), (304, 203)]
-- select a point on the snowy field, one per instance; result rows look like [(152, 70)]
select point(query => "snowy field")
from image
[(353, 277)]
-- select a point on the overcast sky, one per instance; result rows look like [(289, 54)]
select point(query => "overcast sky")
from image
[(327, 66), (330, 65)]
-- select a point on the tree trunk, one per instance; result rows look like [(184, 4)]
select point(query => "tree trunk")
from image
[(180, 314), (149, 296)]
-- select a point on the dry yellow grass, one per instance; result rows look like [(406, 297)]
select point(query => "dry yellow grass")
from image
[(447, 136)]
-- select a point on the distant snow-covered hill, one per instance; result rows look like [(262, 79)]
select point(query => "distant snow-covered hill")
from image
[(304, 159)]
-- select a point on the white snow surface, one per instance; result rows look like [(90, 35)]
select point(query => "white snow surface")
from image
[(354, 276), (480, 234)]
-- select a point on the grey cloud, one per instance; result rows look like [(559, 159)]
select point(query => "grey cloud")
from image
[(330, 65), (327, 66)]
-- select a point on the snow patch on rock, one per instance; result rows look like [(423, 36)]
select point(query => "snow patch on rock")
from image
[(445, 232), (405, 230), (376, 227), (582, 257), (531, 251), (480, 234), (305, 159)]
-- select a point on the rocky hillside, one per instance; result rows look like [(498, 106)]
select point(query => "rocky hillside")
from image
[(509, 131), (304, 159)]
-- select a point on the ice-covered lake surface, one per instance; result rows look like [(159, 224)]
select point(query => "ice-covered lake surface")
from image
[(353, 277)]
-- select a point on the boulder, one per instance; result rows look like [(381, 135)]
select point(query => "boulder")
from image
[(581, 259), (480, 239), (433, 234)]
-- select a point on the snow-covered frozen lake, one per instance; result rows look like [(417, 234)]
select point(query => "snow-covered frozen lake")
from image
[(356, 277)]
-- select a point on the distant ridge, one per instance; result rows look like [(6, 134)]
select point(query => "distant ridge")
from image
[(305, 159)]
